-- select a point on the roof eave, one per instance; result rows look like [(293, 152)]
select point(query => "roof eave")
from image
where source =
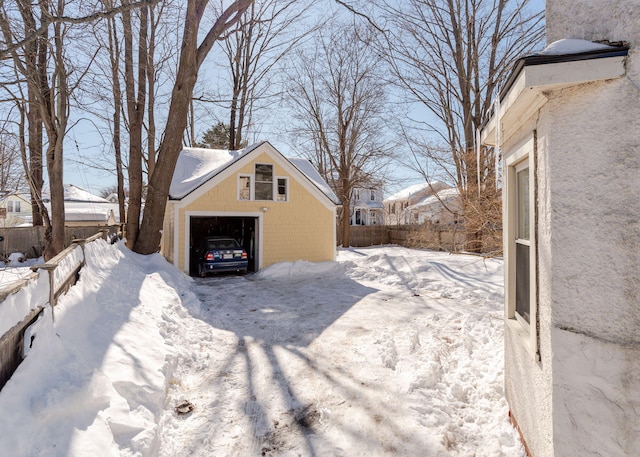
[(533, 76)]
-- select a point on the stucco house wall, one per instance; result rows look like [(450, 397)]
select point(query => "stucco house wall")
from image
[(577, 391), (301, 228), (529, 381), (595, 222)]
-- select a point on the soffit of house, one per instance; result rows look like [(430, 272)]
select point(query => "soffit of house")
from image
[(535, 76)]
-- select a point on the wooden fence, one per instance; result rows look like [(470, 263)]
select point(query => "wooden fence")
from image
[(30, 295), (441, 237), (30, 240)]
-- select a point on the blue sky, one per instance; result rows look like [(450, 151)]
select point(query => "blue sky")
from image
[(84, 140)]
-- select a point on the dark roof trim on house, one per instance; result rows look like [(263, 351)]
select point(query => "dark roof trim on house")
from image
[(534, 77)]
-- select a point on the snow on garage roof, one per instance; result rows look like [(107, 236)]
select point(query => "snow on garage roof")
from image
[(196, 166)]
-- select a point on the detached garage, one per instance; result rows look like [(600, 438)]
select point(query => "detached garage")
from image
[(279, 209)]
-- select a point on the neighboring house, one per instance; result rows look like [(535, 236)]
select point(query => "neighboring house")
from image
[(15, 210), (568, 124), (278, 208), (444, 207), (112, 197), (404, 207), (82, 208), (366, 206)]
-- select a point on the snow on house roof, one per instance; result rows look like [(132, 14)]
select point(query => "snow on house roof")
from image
[(410, 191), (196, 166), (573, 46), (77, 211), (444, 196), (75, 194)]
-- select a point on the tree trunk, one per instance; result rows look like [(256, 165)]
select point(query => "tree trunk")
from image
[(346, 222), (135, 110), (55, 236), (148, 240), (191, 57)]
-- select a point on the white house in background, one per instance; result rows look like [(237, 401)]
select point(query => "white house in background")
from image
[(366, 206), (83, 208), (404, 207), (444, 207), (568, 125), (15, 210), (113, 197)]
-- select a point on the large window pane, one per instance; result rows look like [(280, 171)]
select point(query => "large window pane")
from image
[(522, 281), (282, 189), (264, 182), (523, 204)]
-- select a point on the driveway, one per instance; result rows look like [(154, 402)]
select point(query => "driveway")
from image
[(388, 352)]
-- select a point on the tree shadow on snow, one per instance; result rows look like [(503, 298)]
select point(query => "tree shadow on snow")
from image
[(277, 322)]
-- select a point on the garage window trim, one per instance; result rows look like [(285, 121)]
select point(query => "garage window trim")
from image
[(520, 245)]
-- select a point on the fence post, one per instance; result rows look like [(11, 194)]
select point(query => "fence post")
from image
[(81, 243), (50, 269)]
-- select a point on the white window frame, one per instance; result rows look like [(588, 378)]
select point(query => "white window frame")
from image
[(356, 194), (251, 180), (10, 206), (518, 159), (372, 195), (276, 192)]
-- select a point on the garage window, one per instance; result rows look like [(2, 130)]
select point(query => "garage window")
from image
[(282, 189), (244, 187), (264, 181)]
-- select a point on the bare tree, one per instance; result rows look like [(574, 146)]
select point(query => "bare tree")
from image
[(338, 97), (192, 55), (451, 58), (36, 35), (12, 177), (260, 42), (49, 89), (136, 92), (51, 16)]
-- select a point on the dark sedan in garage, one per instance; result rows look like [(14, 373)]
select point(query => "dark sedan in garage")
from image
[(220, 253)]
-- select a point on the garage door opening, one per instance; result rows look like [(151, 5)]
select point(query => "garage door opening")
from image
[(242, 229)]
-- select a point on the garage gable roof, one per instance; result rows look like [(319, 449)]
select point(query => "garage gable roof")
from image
[(198, 166)]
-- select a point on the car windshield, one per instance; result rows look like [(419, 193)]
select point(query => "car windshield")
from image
[(222, 244)]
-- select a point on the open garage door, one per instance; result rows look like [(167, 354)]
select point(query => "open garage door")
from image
[(242, 229)]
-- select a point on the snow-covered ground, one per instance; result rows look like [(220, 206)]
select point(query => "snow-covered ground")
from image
[(388, 351)]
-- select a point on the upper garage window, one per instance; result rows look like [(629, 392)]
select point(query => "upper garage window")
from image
[(264, 182), (263, 185), (283, 185)]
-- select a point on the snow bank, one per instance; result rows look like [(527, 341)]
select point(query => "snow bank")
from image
[(301, 268), (388, 351), (95, 381)]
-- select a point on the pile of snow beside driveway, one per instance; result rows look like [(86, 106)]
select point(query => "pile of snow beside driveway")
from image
[(95, 380), (388, 351)]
